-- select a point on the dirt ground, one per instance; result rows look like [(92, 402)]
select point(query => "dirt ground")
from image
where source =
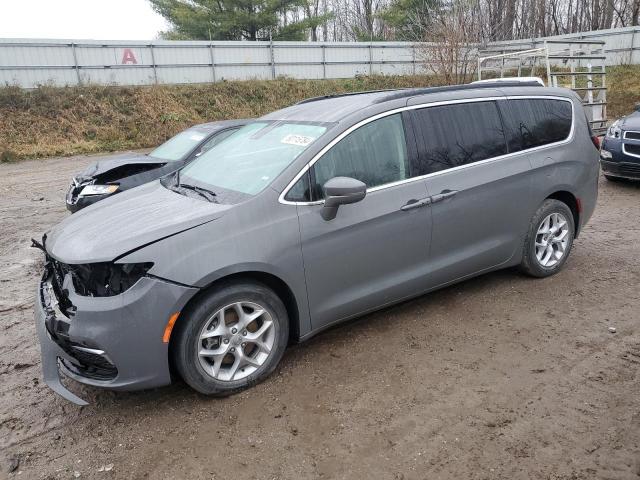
[(500, 377)]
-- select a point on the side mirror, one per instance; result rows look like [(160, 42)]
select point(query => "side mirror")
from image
[(341, 191)]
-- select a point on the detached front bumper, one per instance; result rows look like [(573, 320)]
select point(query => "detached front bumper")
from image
[(109, 342)]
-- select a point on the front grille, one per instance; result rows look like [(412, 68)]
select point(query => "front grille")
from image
[(632, 149), (632, 135)]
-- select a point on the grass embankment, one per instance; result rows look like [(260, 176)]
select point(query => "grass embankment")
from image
[(51, 121)]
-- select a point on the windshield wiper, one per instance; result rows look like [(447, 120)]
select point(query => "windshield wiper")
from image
[(203, 192)]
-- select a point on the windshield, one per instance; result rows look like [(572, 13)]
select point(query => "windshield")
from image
[(252, 157), (177, 147)]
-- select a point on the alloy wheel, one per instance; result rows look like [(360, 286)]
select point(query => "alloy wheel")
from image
[(236, 341), (552, 240)]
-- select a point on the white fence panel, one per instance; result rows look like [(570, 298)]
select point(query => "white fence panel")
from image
[(29, 63), (243, 72), (192, 74), (302, 72)]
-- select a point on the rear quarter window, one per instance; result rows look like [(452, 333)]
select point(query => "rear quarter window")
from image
[(534, 122)]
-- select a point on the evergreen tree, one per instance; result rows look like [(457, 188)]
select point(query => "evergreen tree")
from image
[(411, 20), (234, 19)]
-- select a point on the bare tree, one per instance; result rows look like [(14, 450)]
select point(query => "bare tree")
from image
[(449, 46), (414, 20)]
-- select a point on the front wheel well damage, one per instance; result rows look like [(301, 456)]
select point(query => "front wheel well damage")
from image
[(570, 200), (273, 282)]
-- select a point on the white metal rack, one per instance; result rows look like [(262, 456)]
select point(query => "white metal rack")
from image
[(571, 63)]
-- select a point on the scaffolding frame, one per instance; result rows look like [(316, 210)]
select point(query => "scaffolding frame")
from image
[(567, 57)]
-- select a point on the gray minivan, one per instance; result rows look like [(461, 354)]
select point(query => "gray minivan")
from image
[(309, 216)]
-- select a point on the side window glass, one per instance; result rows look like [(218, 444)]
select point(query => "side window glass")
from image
[(459, 134), (301, 190), (217, 139), (537, 121), (375, 154)]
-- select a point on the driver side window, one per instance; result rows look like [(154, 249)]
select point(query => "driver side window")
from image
[(375, 154)]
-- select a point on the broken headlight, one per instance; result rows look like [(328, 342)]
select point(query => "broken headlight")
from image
[(98, 190), (106, 279), (614, 130)]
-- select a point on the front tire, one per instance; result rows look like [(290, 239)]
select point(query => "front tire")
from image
[(231, 339), (549, 239)]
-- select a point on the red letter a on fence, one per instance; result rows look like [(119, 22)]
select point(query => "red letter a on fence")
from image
[(128, 57)]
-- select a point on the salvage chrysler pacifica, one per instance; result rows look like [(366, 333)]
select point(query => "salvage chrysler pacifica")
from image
[(309, 216)]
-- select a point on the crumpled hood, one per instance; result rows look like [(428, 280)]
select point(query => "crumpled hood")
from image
[(631, 122), (126, 222), (106, 164)]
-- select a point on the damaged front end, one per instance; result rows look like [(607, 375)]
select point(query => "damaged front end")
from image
[(61, 289), (101, 320), (77, 184), (106, 178), (90, 280), (84, 191), (103, 279), (81, 357)]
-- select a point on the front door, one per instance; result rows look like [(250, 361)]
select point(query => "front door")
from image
[(375, 251)]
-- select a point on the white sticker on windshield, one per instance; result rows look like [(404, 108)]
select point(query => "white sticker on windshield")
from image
[(299, 140), (196, 137)]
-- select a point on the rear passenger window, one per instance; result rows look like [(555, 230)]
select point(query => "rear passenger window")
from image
[(375, 154), (458, 134), (534, 122)]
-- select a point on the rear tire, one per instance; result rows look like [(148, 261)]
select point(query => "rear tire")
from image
[(231, 339), (549, 239)]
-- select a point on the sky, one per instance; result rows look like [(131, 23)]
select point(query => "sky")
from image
[(80, 19)]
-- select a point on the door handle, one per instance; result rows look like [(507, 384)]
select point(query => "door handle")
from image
[(443, 195), (411, 204)]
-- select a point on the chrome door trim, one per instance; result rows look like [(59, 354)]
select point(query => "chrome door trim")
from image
[(317, 157)]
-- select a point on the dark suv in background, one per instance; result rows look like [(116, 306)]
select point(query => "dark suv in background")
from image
[(620, 152)]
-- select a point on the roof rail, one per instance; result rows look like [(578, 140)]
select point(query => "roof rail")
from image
[(412, 92), (348, 94)]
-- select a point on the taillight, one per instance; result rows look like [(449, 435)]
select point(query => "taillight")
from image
[(594, 138)]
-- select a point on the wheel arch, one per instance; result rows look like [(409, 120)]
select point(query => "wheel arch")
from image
[(274, 282), (571, 201)]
